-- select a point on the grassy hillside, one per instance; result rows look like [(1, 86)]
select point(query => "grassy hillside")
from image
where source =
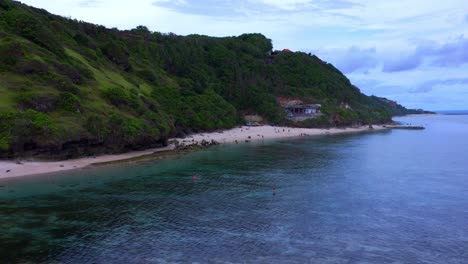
[(72, 88)]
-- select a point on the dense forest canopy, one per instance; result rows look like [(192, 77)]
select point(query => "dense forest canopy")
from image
[(68, 86)]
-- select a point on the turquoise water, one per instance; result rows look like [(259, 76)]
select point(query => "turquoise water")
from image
[(386, 197)]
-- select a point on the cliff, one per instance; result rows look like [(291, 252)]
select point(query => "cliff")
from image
[(70, 88)]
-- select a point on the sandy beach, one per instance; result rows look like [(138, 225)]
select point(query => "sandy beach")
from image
[(253, 134), (240, 135)]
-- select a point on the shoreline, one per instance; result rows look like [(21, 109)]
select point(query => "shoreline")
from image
[(435, 114), (239, 135)]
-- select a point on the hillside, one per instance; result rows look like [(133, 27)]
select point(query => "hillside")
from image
[(70, 88)]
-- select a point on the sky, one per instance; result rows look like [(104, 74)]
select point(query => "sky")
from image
[(411, 51)]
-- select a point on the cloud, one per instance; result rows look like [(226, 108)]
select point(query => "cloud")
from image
[(213, 8), (431, 95), (438, 93), (356, 59), (421, 89), (454, 53), (308, 5), (381, 89), (88, 3), (430, 85), (403, 64), (353, 59), (240, 8), (283, 4)]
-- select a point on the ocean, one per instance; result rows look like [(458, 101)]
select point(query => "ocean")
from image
[(397, 196)]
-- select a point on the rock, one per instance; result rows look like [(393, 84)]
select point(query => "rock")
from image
[(174, 142)]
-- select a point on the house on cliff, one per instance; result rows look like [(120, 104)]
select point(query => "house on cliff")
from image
[(299, 111)]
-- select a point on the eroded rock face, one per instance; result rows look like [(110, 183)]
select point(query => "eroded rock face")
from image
[(196, 145)]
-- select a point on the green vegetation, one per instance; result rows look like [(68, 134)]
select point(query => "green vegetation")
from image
[(67, 85)]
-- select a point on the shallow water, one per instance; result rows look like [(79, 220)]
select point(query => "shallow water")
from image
[(387, 197)]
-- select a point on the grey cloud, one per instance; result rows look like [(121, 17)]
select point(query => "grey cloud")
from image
[(450, 54), (421, 89), (353, 59), (373, 87), (423, 95), (425, 87), (405, 64), (386, 90), (429, 85), (367, 83)]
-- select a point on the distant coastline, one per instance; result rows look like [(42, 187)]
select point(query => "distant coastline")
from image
[(421, 114), (239, 135), (453, 112)]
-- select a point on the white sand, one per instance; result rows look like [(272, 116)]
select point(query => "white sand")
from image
[(9, 169), (255, 134), (41, 167)]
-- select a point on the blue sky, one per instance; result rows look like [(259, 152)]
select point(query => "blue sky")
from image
[(412, 51)]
